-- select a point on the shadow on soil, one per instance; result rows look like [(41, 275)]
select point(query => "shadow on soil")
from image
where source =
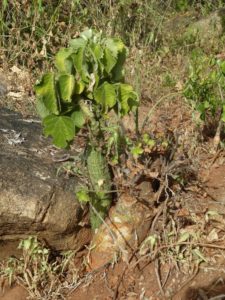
[(214, 291)]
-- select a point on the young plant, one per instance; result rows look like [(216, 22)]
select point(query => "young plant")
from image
[(87, 85), (205, 89)]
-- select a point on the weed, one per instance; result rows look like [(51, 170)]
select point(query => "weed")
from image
[(38, 273), (168, 80), (205, 88)]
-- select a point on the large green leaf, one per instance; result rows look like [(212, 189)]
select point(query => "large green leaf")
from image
[(128, 98), (87, 34), (97, 50), (119, 51), (66, 87), (79, 87), (115, 45), (118, 70), (78, 118), (93, 62), (41, 109), (115, 55), (80, 64), (46, 92), (63, 61), (98, 53), (61, 128), (105, 95), (109, 60), (78, 43)]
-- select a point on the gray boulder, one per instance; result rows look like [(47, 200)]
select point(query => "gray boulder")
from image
[(33, 199)]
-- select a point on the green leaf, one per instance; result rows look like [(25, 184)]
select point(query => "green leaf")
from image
[(151, 143), (118, 70), (26, 244), (148, 141), (87, 34), (214, 76), (109, 60), (222, 66), (98, 51), (66, 87), (77, 43), (79, 87), (4, 5), (63, 61), (80, 65), (115, 45), (45, 90), (137, 150), (61, 128), (78, 118), (116, 49), (105, 95), (41, 109), (128, 98), (83, 196), (119, 52), (201, 108), (223, 114), (206, 104)]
